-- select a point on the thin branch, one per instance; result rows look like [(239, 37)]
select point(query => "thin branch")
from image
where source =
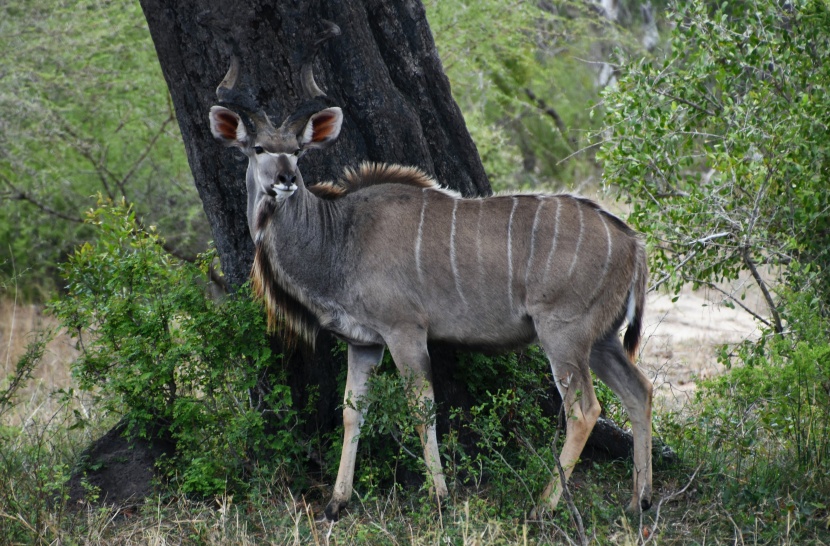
[(687, 103), (692, 254), (779, 329), (83, 149), (711, 237), (667, 276), (715, 287), (583, 149), (20, 195), (147, 149), (660, 505), (554, 115)]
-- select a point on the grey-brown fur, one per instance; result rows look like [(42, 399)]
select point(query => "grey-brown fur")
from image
[(388, 259)]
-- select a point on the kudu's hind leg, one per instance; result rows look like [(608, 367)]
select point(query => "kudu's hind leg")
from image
[(612, 366), (412, 359), (569, 363), (362, 360)]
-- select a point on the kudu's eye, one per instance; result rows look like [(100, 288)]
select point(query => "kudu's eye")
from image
[(298, 152), (259, 149)]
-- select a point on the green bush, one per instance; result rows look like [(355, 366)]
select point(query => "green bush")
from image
[(84, 109), (761, 430), (172, 361), (723, 149)]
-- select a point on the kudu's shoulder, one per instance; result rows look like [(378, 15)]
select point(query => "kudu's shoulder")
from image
[(370, 174)]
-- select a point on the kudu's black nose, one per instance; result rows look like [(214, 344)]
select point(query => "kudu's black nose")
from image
[(287, 178)]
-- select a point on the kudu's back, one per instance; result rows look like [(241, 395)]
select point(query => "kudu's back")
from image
[(478, 271)]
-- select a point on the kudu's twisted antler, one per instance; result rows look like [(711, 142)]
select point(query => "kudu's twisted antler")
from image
[(392, 260)]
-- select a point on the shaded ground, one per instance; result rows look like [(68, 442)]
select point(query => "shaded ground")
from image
[(115, 471)]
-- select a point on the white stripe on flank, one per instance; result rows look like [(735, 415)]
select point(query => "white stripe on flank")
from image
[(479, 258), (420, 236), (578, 240), (510, 253), (453, 261), (539, 205), (555, 237), (607, 263)]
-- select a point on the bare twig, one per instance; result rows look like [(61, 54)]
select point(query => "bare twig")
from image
[(667, 276), (686, 102), (20, 195), (583, 149), (147, 149), (554, 115), (83, 148), (660, 504), (740, 304)]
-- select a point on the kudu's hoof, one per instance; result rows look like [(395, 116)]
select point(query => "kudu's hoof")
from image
[(332, 511), (634, 508)]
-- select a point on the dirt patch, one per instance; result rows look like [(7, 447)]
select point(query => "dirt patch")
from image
[(681, 339), (116, 471)]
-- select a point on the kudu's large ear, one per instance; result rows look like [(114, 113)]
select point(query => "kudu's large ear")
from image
[(227, 127), (322, 128)]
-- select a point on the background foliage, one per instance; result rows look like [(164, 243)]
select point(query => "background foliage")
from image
[(528, 78), (721, 148), (85, 110)]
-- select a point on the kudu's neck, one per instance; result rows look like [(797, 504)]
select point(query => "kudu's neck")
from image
[(303, 234)]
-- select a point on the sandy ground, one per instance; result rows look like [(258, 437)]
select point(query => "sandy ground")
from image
[(681, 339), (36, 401)]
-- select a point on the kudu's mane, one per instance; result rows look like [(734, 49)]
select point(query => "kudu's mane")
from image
[(373, 174), (287, 315)]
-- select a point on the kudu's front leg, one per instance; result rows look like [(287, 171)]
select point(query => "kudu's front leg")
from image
[(362, 360), (412, 359)]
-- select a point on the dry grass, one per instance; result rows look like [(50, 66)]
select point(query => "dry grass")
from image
[(35, 401)]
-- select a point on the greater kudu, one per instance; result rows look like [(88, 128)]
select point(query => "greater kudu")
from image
[(385, 257)]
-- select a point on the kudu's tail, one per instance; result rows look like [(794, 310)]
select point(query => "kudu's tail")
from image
[(636, 303)]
